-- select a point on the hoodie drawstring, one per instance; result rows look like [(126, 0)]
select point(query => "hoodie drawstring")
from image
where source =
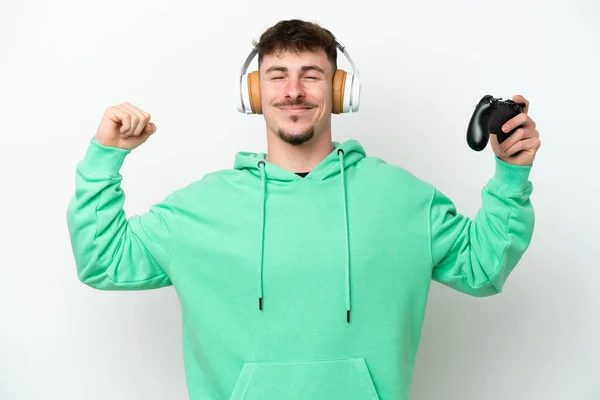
[(261, 167), (262, 234), (347, 233)]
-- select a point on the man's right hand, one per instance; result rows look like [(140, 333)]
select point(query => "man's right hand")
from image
[(124, 126)]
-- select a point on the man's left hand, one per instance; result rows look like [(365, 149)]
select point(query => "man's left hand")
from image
[(525, 141)]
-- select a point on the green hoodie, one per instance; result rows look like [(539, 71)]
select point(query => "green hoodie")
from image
[(299, 288)]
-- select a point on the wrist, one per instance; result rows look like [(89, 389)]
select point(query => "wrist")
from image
[(510, 177), (106, 142), (102, 159)]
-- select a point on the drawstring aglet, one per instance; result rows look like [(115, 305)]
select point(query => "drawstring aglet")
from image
[(348, 316), (260, 303)]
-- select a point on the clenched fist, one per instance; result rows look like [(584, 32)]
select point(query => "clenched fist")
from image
[(124, 126)]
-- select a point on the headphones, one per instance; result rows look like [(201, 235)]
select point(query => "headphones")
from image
[(346, 88)]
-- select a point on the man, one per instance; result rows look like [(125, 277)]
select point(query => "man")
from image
[(302, 273)]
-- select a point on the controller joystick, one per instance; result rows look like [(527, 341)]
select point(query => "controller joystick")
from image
[(489, 116)]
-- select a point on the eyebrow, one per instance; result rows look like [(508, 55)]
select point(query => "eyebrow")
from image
[(303, 69)]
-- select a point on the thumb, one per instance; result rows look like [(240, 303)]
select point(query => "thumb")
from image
[(149, 129), (522, 100)]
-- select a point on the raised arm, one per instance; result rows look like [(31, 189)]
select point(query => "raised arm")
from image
[(475, 256), (111, 251)]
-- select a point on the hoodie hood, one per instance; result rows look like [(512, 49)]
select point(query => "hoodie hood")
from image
[(343, 156), (351, 153)]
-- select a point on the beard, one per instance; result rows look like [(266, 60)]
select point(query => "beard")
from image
[(296, 139)]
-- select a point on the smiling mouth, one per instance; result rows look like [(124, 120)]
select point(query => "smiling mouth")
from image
[(295, 108)]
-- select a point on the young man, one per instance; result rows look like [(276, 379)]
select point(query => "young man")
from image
[(302, 273)]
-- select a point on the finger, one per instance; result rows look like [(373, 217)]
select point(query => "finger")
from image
[(134, 118), (523, 145), (141, 117), (512, 139), (520, 134), (514, 122), (522, 100), (126, 120), (144, 115), (120, 116), (149, 129)]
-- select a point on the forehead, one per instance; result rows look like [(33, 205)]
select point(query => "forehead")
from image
[(295, 60)]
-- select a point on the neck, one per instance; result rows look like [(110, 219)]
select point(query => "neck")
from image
[(301, 158)]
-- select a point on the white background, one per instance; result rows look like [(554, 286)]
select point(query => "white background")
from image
[(424, 65)]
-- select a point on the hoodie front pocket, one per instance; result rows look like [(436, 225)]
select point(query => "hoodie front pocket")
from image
[(347, 379)]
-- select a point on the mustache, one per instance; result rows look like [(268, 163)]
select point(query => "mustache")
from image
[(298, 102)]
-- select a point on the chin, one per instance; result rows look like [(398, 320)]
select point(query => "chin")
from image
[(296, 135)]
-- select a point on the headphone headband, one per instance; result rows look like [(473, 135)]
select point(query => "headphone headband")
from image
[(352, 87)]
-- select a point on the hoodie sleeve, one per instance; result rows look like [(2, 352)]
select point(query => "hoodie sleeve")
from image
[(111, 251), (475, 256)]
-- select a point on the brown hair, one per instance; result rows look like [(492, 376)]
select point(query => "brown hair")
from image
[(296, 36)]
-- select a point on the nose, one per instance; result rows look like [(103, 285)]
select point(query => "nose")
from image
[(294, 88)]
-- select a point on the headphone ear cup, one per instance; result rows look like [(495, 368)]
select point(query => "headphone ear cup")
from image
[(339, 80), (254, 92)]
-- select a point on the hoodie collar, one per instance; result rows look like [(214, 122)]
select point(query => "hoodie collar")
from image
[(327, 168)]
